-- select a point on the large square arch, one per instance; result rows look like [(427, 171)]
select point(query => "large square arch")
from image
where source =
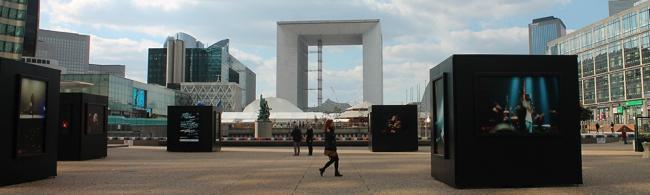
[(293, 38)]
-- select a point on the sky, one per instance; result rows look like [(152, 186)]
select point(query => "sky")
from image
[(417, 34)]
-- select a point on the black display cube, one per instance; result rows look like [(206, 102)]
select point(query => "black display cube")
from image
[(193, 129), (505, 121), (29, 114), (82, 126), (393, 128)]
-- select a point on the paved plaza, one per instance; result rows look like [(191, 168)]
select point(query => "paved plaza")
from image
[(607, 169)]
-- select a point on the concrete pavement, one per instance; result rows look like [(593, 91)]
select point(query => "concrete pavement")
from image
[(607, 169)]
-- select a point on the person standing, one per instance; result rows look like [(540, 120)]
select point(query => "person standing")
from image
[(310, 139), (612, 126), (624, 135), (297, 138), (330, 149), (598, 127)]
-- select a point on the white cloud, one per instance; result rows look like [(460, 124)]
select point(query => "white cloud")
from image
[(264, 69), (120, 50), (165, 5), (417, 34)]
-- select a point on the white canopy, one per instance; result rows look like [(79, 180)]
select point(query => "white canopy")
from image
[(249, 117)]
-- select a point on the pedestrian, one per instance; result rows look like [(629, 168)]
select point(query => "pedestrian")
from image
[(297, 138), (310, 139), (624, 136), (330, 149), (612, 126), (597, 127)]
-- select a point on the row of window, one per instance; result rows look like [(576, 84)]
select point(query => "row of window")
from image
[(634, 51), (37, 61), (606, 32), (11, 13), (17, 1), (10, 47), (618, 86), (11, 30)]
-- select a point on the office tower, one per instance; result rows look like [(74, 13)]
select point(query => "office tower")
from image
[(543, 30)]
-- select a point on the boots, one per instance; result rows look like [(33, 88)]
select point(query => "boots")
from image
[(337, 174), (321, 170)]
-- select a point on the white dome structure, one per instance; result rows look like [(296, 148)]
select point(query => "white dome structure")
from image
[(276, 105)]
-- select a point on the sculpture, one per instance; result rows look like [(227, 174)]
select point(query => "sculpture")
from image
[(264, 110)]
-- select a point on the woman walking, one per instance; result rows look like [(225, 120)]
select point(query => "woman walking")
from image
[(330, 149)]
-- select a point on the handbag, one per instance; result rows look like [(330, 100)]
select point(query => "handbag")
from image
[(331, 153)]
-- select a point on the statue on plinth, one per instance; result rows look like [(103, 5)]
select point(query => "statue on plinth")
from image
[(264, 110)]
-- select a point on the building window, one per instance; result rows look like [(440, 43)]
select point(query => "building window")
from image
[(602, 82), (645, 48), (633, 83), (586, 42), (11, 30), (613, 29), (18, 48), (5, 12), (629, 23), (644, 18), (631, 47), (587, 64), (13, 13), (9, 46), (580, 92), (616, 86), (615, 56), (646, 82), (20, 15), (601, 60), (589, 91), (599, 34)]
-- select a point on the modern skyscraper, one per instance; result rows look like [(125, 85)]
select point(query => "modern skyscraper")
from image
[(175, 69), (176, 64), (616, 6), (13, 14), (613, 63), (543, 30), (70, 49)]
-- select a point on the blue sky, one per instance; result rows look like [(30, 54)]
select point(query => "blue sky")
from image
[(417, 34)]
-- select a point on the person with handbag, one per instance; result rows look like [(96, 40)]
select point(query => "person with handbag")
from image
[(330, 149)]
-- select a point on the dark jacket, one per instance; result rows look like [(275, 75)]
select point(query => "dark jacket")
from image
[(296, 134), (330, 140), (310, 135)]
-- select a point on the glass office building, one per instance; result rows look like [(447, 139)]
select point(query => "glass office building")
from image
[(543, 30), (613, 63), (212, 64), (132, 105)]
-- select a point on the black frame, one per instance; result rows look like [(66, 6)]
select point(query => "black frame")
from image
[(77, 142), (207, 134), (514, 74), (18, 169), (17, 119), (434, 146), (479, 160)]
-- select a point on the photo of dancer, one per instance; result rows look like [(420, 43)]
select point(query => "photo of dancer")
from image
[(517, 105)]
